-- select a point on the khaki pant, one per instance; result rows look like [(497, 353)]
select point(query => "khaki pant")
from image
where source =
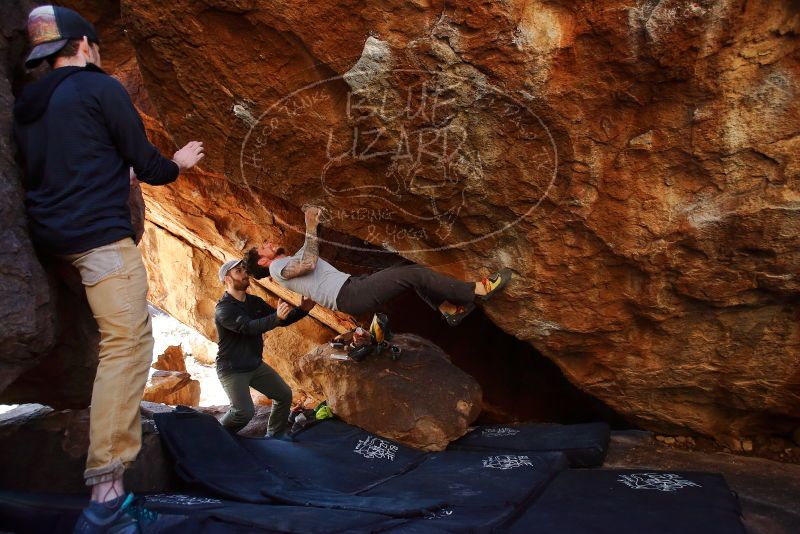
[(116, 286)]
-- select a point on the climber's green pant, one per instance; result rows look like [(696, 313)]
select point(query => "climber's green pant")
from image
[(263, 379)]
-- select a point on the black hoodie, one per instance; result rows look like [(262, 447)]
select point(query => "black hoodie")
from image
[(240, 326), (79, 133)]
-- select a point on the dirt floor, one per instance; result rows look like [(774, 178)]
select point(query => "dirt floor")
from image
[(775, 448), (769, 490)]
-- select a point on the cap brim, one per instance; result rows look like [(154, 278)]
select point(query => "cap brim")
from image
[(225, 272), (44, 50)]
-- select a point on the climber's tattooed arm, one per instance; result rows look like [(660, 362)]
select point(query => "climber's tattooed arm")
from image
[(308, 262)]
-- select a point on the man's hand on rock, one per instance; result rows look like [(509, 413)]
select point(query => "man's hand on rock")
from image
[(306, 304), (189, 155), (283, 310)]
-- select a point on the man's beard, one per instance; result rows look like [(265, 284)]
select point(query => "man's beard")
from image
[(280, 251), (241, 285)]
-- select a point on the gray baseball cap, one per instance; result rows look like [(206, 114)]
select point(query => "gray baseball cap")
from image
[(227, 266)]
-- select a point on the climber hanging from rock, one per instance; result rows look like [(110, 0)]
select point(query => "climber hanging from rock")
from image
[(308, 274)]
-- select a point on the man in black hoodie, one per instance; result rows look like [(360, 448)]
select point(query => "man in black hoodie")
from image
[(79, 135)]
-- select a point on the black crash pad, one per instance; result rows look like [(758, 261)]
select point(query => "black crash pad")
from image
[(208, 455), (334, 455), (24, 513), (633, 502), (585, 445), (338, 478), (207, 514), (482, 489)]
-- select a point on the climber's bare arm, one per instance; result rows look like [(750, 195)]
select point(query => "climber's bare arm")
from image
[(308, 262)]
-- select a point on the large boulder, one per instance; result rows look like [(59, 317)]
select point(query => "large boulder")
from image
[(421, 399), (172, 387), (188, 289)]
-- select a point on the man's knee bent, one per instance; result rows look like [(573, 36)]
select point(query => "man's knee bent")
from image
[(243, 414), (283, 395), (237, 418)]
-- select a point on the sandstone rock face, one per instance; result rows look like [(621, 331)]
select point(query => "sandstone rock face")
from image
[(48, 342), (172, 387), (421, 399), (171, 360), (188, 288), (26, 313), (63, 376), (634, 165), (284, 347)]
